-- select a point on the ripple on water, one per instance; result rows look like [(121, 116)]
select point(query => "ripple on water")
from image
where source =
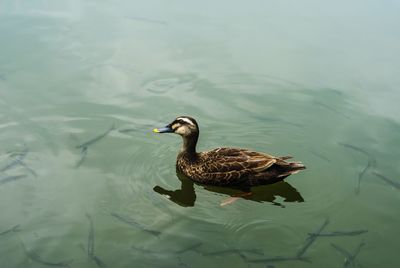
[(170, 85), (271, 230)]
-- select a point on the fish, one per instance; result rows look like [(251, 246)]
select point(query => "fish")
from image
[(276, 120), (147, 20), (83, 157), (168, 253), (90, 245), (311, 239), (234, 251), (95, 139), (320, 156), (12, 178), (355, 148), (33, 173), (181, 263), (190, 248), (99, 262), (243, 256), (135, 224), (332, 109), (395, 184), (350, 259), (84, 146), (143, 250), (278, 259), (125, 130), (14, 229), (153, 253), (340, 233), (284, 80), (37, 258), (371, 162), (239, 252), (17, 158)]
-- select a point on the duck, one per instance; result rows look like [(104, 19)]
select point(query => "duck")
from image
[(226, 166)]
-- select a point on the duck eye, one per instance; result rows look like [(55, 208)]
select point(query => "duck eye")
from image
[(176, 125)]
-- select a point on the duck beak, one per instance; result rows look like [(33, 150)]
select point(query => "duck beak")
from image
[(166, 129)]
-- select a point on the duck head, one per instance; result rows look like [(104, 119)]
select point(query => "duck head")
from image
[(182, 125), (187, 128)]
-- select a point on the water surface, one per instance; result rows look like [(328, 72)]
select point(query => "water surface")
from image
[(318, 81)]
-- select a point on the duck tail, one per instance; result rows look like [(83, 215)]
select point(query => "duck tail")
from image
[(297, 164), (292, 168)]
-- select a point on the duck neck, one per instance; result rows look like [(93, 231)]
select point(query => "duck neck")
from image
[(189, 145)]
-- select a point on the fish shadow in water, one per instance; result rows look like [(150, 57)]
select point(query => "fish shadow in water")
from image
[(186, 195)]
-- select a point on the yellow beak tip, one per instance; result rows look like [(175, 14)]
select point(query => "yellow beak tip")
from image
[(156, 130)]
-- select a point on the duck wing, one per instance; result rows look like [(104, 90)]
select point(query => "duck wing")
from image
[(231, 165)]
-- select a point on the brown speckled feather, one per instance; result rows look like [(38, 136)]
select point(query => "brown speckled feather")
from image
[(234, 166)]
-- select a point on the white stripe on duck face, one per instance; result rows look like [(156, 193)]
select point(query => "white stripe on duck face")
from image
[(187, 120)]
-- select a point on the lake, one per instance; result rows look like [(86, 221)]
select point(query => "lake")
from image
[(85, 183)]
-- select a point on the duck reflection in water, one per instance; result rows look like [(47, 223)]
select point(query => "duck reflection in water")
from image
[(186, 195)]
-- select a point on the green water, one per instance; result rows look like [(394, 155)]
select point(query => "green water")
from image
[(319, 81)]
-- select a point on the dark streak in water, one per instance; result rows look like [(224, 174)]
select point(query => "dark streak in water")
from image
[(99, 262), (157, 91), (393, 183), (350, 259), (234, 251), (340, 233), (371, 162), (355, 148), (12, 229), (284, 80), (85, 146), (311, 239), (83, 157), (320, 156), (276, 120), (17, 160), (278, 259), (147, 20), (33, 173), (132, 222), (128, 130), (12, 178), (137, 128), (193, 247), (332, 109), (181, 263), (147, 251), (90, 243), (95, 139), (37, 258), (153, 253)]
